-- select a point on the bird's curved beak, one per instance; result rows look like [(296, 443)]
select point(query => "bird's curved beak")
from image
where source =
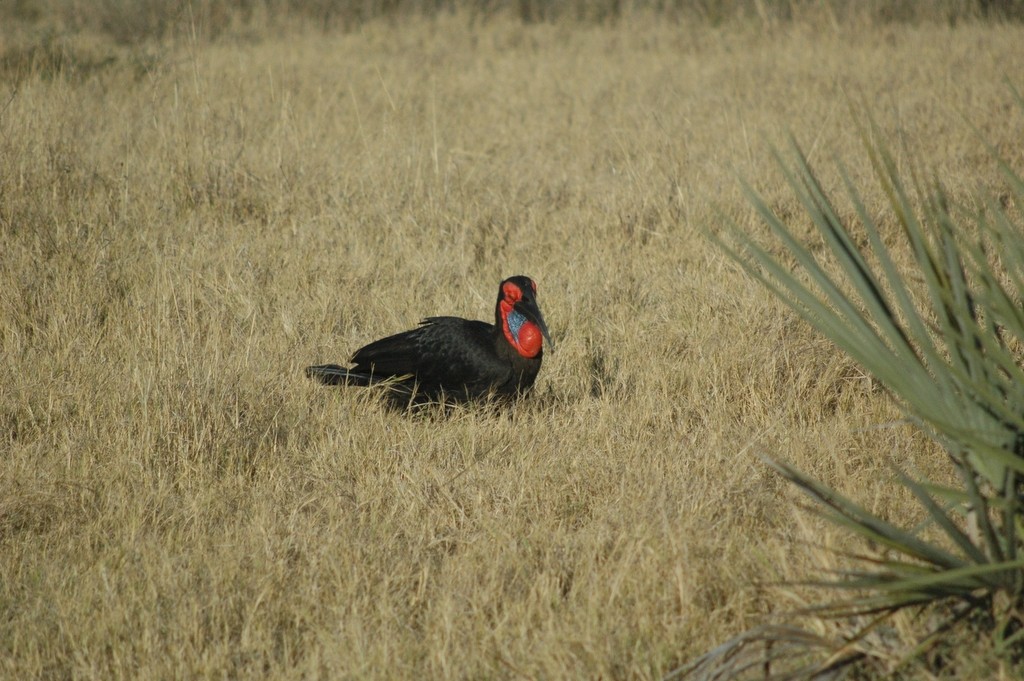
[(529, 309)]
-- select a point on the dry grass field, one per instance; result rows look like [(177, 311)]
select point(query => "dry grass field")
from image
[(186, 224)]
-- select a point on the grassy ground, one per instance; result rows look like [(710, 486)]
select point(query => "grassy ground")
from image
[(184, 227)]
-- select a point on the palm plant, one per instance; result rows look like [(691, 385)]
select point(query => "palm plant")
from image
[(944, 337)]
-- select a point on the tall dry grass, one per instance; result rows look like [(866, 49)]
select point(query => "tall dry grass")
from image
[(132, 21), (184, 226)]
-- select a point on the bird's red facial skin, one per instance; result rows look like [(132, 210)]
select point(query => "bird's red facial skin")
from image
[(530, 340), (506, 307), (512, 293)]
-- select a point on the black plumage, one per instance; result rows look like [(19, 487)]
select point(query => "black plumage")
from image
[(451, 357)]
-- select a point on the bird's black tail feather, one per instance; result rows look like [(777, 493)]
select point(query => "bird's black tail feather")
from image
[(334, 374)]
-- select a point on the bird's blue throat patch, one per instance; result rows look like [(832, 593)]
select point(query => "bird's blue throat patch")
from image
[(515, 320)]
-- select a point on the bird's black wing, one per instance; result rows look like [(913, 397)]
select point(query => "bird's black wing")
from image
[(442, 354)]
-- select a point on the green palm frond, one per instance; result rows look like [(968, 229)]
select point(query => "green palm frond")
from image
[(945, 336), (948, 363)]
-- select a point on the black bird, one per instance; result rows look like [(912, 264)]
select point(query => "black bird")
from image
[(453, 357)]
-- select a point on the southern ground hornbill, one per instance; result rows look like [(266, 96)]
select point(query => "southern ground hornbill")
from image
[(453, 357)]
